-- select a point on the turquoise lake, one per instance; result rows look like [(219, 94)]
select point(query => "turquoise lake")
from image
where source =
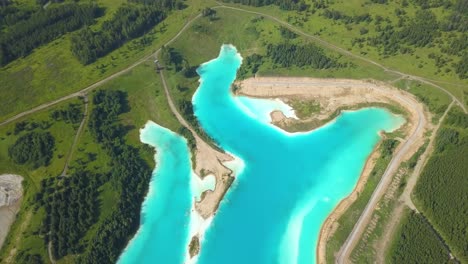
[(289, 184)]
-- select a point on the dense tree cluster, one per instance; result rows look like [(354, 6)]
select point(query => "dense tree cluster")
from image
[(461, 68), (208, 12), (337, 15), (171, 57), (186, 109), (11, 14), (288, 55), (250, 66), (162, 4), (286, 33), (441, 189), (130, 176), (29, 126), (102, 122), (446, 138), (457, 45), (44, 26), (283, 4), (421, 30), (413, 161), (388, 146), (130, 21), (34, 149), (71, 208), (457, 119), (416, 242), (425, 4), (72, 113), (23, 257), (458, 19)]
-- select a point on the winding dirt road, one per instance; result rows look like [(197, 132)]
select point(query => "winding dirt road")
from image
[(77, 136), (346, 52), (310, 36), (84, 91)]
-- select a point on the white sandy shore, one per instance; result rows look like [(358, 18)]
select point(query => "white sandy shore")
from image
[(198, 223), (333, 94)]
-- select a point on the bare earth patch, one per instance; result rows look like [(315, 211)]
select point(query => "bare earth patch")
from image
[(11, 192)]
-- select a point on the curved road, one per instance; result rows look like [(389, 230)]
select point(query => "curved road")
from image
[(317, 39), (99, 83), (359, 227), (77, 136), (346, 52)]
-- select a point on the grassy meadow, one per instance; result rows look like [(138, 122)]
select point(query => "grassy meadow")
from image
[(341, 35)]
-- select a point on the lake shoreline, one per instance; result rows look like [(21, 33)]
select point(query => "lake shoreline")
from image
[(334, 95)]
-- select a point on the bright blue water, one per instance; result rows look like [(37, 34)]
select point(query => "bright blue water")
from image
[(275, 208), (164, 229), (291, 182)]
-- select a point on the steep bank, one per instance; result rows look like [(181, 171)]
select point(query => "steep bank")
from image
[(11, 193)]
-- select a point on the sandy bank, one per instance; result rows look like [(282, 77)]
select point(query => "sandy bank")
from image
[(332, 95), (11, 192), (209, 161)]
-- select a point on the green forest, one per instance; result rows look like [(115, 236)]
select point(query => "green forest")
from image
[(71, 207), (441, 190), (299, 5), (72, 113), (34, 149), (42, 27), (127, 23), (401, 32), (416, 242), (71, 203), (288, 55), (129, 177)]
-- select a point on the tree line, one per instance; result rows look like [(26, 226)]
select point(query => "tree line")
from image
[(34, 149), (129, 176), (416, 242), (11, 14), (299, 5), (130, 21), (162, 4), (71, 207), (250, 66), (288, 54), (71, 114), (72, 203), (441, 189), (44, 26), (337, 15)]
